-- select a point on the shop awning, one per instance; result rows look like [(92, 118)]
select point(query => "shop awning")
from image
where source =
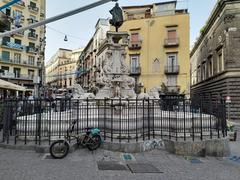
[(11, 86)]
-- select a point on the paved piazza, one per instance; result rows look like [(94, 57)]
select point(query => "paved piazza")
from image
[(82, 164)]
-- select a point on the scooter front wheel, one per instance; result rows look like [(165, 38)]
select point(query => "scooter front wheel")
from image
[(59, 149), (94, 142)]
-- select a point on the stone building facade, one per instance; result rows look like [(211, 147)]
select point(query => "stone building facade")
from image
[(215, 57)]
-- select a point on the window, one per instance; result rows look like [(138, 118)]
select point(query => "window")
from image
[(17, 58), (32, 4), (204, 71), (220, 61), (30, 73), (135, 37), (5, 40), (17, 18), (17, 72), (199, 74), (172, 34), (32, 19), (32, 32), (134, 66), (18, 41), (5, 55), (171, 37), (5, 69), (172, 60), (148, 13), (156, 66), (31, 60), (70, 82), (210, 66), (32, 45), (7, 11)]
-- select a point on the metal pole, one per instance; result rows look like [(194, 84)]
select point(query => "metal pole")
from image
[(56, 18)]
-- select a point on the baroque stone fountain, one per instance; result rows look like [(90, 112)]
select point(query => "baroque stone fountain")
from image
[(114, 75)]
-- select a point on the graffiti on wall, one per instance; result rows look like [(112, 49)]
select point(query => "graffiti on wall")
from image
[(153, 144)]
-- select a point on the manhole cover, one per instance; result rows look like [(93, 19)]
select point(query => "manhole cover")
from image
[(111, 165), (143, 168)]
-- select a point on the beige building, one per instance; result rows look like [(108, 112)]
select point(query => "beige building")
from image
[(158, 51), (22, 54), (61, 68)]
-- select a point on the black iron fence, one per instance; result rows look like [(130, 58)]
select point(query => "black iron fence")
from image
[(42, 121)]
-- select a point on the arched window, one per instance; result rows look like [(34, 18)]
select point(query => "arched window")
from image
[(156, 66)]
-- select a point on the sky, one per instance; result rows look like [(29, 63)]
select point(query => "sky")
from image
[(80, 27)]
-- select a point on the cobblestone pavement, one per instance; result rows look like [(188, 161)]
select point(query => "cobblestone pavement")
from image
[(82, 164)]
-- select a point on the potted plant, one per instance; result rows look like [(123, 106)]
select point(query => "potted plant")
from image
[(232, 133)]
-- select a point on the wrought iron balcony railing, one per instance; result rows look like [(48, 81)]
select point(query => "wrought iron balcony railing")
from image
[(32, 36), (33, 8), (135, 45), (171, 42), (172, 69), (135, 70)]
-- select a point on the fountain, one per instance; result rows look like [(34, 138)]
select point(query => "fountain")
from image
[(115, 73)]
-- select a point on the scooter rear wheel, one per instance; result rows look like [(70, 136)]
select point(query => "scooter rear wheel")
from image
[(59, 149)]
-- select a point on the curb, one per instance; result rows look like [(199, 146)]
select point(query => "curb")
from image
[(36, 148)]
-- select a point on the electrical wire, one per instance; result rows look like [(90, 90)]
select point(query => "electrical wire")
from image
[(56, 18), (69, 35)]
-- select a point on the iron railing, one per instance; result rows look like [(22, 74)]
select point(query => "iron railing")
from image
[(121, 120)]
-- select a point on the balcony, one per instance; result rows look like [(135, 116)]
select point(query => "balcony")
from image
[(31, 20), (171, 69), (135, 71), (20, 34), (135, 45), (171, 42), (18, 62), (31, 49), (8, 75), (11, 45), (33, 9), (32, 36)]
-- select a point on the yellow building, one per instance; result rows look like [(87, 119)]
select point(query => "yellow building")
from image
[(22, 54), (61, 68), (158, 51)]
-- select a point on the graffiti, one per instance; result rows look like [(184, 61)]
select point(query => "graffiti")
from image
[(153, 144)]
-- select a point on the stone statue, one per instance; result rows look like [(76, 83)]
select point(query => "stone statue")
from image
[(117, 91), (117, 17)]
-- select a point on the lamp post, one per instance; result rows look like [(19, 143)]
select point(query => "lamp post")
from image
[(37, 79)]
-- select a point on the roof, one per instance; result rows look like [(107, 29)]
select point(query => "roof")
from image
[(11, 86)]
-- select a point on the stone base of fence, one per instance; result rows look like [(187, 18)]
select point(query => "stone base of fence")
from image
[(212, 147)]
